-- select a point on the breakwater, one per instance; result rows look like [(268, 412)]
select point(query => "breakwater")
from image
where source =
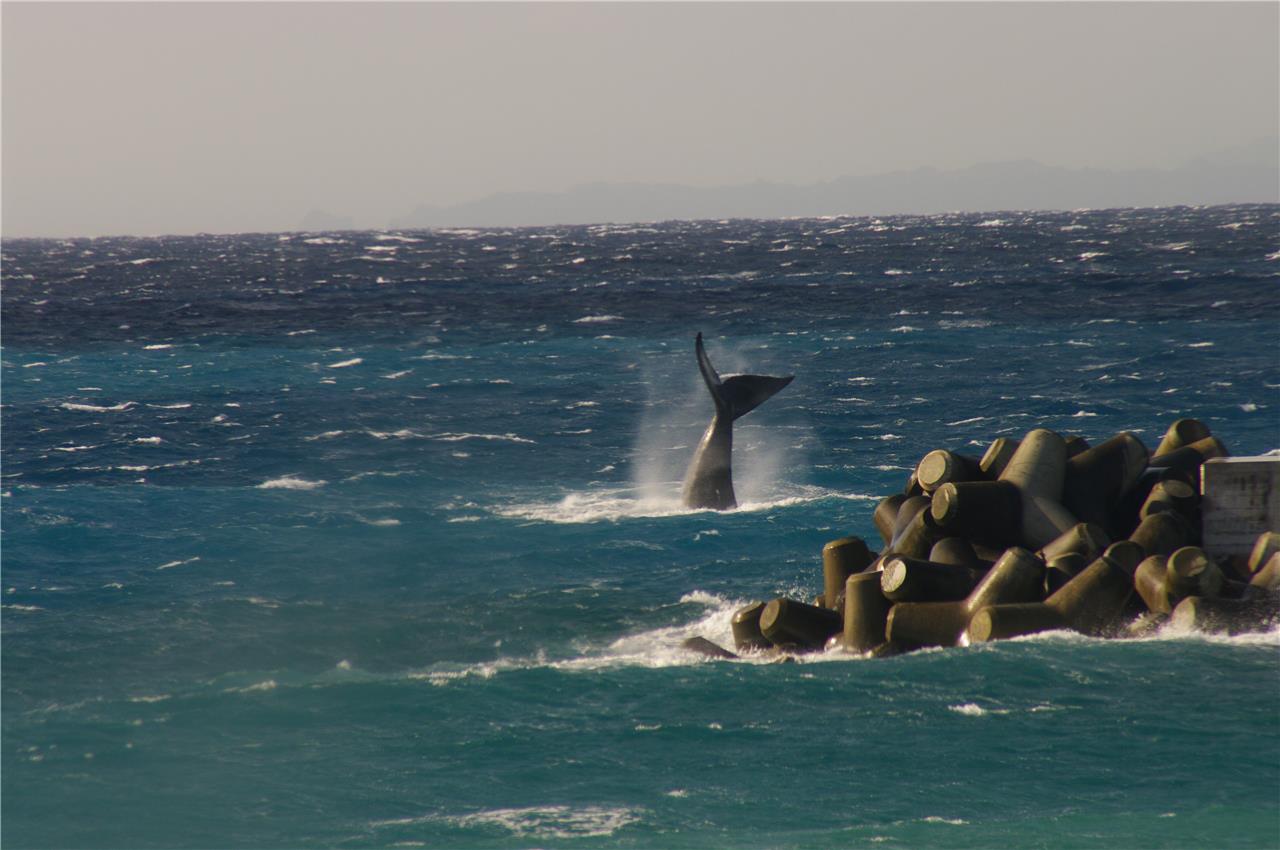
[(1041, 533)]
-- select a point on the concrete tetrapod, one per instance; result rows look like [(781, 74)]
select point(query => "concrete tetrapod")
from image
[(1162, 533), (865, 610), (1016, 577), (795, 625), (1083, 538), (1190, 458), (1088, 603), (940, 467), (1268, 577), (1096, 479), (915, 580), (1163, 582), (1061, 569), (1181, 433), (997, 457), (841, 559), (886, 516), (1233, 616), (746, 628), (980, 511), (919, 535), (1038, 469), (1170, 495), (957, 552), (1267, 545)]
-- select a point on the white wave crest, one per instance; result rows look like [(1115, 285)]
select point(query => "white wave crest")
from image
[(342, 364), (454, 438), (627, 503), (538, 822), (93, 408), (290, 482), (586, 320)]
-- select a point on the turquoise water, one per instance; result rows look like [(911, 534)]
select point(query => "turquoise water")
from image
[(308, 542)]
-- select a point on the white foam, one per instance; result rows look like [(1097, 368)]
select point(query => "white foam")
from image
[(394, 375), (453, 438), (972, 709), (181, 405), (173, 564), (627, 503), (586, 320), (148, 441), (268, 685), (290, 482), (537, 822), (157, 347), (1199, 345), (386, 522), (93, 408), (343, 364)]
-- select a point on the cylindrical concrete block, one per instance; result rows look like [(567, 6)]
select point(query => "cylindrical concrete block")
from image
[(786, 622), (1191, 457), (913, 487), (1000, 622), (865, 610), (841, 559), (957, 552), (1162, 533), (886, 515), (911, 507), (1190, 572), (1181, 433), (1084, 538), (1062, 568), (1268, 578), (1150, 582), (1093, 601), (1267, 544), (1233, 616), (1125, 554), (1016, 577), (1171, 495), (1043, 520), (918, 537), (1039, 465), (981, 511), (1075, 445), (912, 580), (997, 457), (940, 467), (746, 628), (1097, 479)]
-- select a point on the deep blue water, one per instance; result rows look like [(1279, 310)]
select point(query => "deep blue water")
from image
[(373, 539)]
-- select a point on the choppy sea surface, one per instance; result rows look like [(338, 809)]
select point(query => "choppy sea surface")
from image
[(374, 539)]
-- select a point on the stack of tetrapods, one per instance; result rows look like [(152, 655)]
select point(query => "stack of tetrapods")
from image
[(1042, 533)]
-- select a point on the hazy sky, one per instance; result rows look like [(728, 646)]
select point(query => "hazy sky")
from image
[(182, 117)]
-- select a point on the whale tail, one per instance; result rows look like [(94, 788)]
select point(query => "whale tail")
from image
[(737, 395)]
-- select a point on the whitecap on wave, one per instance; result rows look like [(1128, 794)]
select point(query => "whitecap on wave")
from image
[(628, 503), (537, 822), (290, 482)]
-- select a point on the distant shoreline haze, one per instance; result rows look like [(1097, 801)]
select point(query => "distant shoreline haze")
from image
[(1249, 174)]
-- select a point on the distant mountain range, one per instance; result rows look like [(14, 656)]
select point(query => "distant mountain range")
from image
[(1249, 174)]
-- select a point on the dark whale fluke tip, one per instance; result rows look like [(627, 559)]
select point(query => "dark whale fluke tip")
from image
[(708, 482)]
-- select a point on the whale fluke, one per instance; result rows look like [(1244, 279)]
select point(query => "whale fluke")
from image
[(708, 483)]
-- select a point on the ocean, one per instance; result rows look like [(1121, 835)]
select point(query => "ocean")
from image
[(373, 539)]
